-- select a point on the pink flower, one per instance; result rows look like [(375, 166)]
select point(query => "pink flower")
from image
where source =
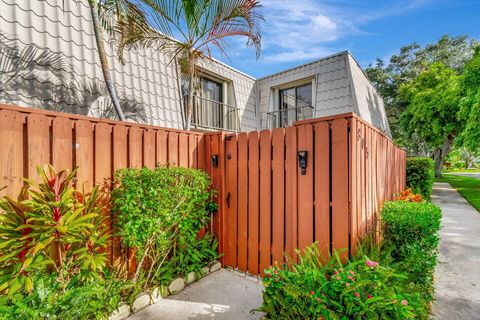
[(371, 264), (356, 294), (347, 284), (337, 277), (352, 272), (312, 293), (404, 302), (369, 296), (350, 278)]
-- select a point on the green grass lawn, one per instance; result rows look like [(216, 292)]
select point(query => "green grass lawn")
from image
[(468, 187)]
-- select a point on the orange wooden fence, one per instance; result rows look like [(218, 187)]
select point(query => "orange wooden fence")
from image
[(267, 206)]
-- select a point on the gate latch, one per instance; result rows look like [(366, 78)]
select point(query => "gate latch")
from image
[(302, 161)]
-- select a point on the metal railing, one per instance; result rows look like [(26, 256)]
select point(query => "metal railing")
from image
[(209, 114), (286, 117)]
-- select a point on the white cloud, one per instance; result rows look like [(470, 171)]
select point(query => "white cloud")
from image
[(296, 30)]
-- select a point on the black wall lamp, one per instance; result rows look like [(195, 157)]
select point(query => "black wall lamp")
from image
[(215, 161), (302, 161)]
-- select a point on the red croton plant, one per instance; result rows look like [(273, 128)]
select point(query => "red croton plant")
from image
[(50, 226)]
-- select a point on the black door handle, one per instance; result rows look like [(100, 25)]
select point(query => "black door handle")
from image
[(228, 200)]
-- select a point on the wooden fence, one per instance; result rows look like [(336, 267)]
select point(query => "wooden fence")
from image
[(270, 207), (267, 205)]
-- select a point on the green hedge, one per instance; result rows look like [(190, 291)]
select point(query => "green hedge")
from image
[(390, 281), (411, 228), (420, 175), (160, 212)]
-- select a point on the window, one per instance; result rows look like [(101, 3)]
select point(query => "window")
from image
[(295, 104)]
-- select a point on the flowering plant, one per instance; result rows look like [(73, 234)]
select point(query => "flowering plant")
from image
[(409, 195), (359, 289)]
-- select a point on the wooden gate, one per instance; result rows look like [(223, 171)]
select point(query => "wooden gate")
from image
[(272, 204)]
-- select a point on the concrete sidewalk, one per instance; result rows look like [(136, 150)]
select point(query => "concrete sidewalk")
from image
[(457, 278), (220, 295)]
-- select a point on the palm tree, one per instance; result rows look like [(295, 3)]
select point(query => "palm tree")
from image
[(190, 29), (112, 15)]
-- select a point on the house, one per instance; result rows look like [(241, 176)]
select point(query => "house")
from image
[(48, 60)]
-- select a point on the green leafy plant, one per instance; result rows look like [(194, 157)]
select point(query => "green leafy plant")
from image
[(420, 175), (51, 298), (313, 289), (160, 213), (411, 228), (50, 224)]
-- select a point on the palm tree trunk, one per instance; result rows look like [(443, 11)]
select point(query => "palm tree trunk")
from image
[(103, 59), (191, 91)]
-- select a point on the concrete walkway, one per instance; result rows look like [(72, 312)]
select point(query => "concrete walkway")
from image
[(466, 174), (457, 278), (220, 295)]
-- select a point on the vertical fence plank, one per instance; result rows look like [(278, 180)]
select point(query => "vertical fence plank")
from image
[(206, 142), (84, 154), (120, 161), (340, 187), (305, 187), (253, 202), (135, 147), (161, 148), (149, 148), (278, 195), (201, 151), (103, 152), (192, 151), (242, 219), (231, 199), (183, 150), (291, 191), (265, 200), (173, 149), (353, 169), (322, 186), (12, 159), (62, 143), (38, 144)]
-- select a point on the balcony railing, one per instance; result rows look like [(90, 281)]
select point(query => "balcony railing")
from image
[(286, 117), (209, 114)]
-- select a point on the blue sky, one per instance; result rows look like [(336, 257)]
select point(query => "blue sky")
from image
[(298, 31)]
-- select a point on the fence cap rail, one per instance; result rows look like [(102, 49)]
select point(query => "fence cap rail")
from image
[(72, 116)]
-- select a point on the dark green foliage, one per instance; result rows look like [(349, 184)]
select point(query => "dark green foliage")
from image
[(420, 175), (390, 281), (160, 212), (412, 230), (53, 299), (359, 289)]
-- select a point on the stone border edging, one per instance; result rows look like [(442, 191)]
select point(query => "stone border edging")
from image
[(145, 299)]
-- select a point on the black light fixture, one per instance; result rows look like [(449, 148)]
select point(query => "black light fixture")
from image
[(215, 160), (302, 161)]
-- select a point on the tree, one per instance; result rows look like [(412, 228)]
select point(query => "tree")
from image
[(102, 55), (470, 104), (190, 29), (433, 107), (405, 66)]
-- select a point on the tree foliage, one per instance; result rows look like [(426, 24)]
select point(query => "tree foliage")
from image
[(470, 104), (405, 66), (433, 108)]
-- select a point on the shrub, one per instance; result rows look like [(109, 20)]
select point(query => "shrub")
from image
[(412, 229), (160, 212), (50, 224), (360, 289), (420, 175), (51, 298)]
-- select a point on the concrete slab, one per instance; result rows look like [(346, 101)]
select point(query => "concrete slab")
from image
[(457, 278), (466, 174), (220, 295)]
